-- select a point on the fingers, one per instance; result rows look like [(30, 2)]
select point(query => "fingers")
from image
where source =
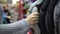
[(33, 18), (34, 22), (35, 13)]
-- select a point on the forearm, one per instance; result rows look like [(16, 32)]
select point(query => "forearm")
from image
[(13, 27)]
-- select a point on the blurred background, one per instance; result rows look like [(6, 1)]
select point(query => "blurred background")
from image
[(14, 10)]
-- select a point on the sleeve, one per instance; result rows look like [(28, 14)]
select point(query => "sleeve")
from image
[(13, 27)]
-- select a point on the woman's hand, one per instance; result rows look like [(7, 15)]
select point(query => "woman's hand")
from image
[(32, 18)]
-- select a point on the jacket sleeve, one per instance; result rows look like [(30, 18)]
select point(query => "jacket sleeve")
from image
[(13, 27)]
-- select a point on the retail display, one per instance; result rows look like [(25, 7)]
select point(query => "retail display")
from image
[(46, 23), (49, 15), (57, 18)]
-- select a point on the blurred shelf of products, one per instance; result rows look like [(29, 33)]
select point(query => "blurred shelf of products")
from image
[(15, 10)]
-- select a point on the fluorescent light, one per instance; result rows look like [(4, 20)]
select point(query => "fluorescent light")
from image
[(14, 1)]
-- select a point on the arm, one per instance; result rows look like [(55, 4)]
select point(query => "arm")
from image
[(13, 27), (22, 25)]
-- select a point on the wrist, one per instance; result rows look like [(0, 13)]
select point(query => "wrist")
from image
[(27, 21)]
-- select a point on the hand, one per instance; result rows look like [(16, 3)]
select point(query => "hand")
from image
[(32, 18)]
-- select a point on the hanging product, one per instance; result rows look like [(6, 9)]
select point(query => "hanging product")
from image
[(42, 12), (57, 18), (32, 9), (46, 10)]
